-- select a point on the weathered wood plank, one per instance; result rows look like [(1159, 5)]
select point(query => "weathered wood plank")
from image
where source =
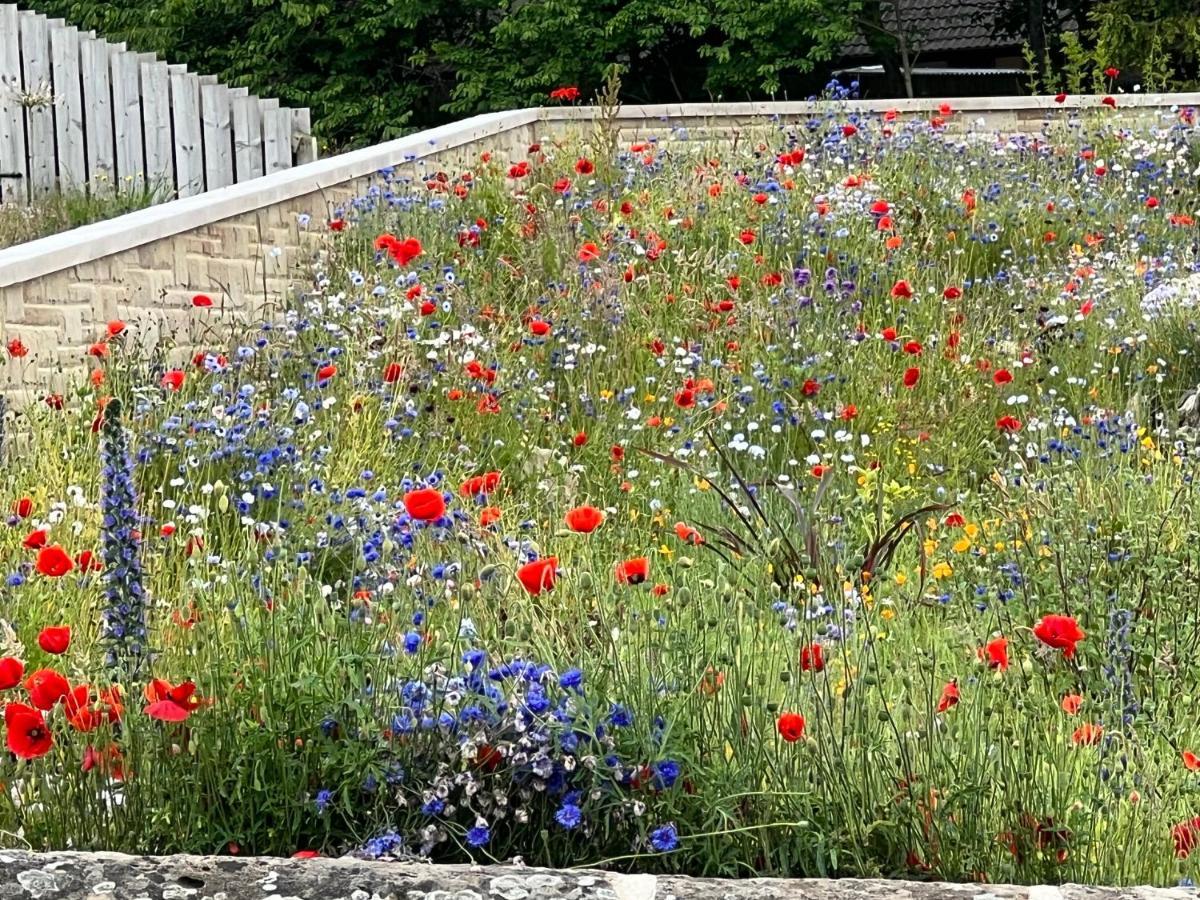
[(39, 119), (188, 142), (277, 139), (247, 138), (156, 123), (99, 121), (68, 111), (14, 177), (127, 114), (218, 135), (304, 146)]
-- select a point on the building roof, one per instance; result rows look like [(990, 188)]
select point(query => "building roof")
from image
[(936, 26)]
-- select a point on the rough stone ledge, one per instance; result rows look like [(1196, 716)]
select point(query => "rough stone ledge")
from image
[(115, 876)]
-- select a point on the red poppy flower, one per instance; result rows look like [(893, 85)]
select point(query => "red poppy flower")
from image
[(588, 252), (633, 571), (1002, 376), (888, 334), (46, 687), (87, 709), (747, 236), (12, 670), (53, 561), (790, 726), (955, 520), (1151, 203), (169, 703), (913, 348), (1060, 632), (28, 736), (392, 372), (1060, 98), (539, 327), (1071, 704), (405, 251), (617, 452), (1186, 836), (812, 658), (489, 515), (116, 327), (87, 562), (952, 293), (849, 130), (685, 399), (1191, 761), (55, 639), (306, 854), (580, 439), (688, 534), (911, 377), (23, 508), (1087, 735), (995, 652), (16, 349), (1112, 72), (35, 540), (811, 387), (584, 166), (902, 289), (1110, 102), (538, 575), (584, 519), (172, 380), (569, 93), (425, 504), (480, 484), (1009, 424), (202, 301), (949, 697), (326, 372)]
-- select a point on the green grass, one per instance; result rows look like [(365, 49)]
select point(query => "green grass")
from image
[(62, 211)]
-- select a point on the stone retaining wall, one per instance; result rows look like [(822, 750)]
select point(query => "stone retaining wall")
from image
[(112, 876), (240, 244)]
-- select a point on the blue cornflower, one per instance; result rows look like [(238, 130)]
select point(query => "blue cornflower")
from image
[(666, 773), (478, 836), (572, 678), (664, 838), (323, 799), (569, 816)]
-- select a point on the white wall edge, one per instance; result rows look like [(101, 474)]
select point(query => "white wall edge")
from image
[(34, 259)]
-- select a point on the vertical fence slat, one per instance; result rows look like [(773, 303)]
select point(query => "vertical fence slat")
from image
[(218, 135), (156, 119), (98, 108), (68, 111), (247, 138), (39, 120), (185, 121), (127, 112), (12, 123), (277, 139), (303, 146)]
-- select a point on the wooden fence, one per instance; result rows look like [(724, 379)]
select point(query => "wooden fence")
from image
[(77, 110)]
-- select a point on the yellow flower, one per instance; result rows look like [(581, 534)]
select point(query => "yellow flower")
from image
[(901, 579), (700, 483), (606, 394), (888, 613), (1045, 551), (930, 546), (650, 398), (971, 530), (942, 570), (962, 545), (666, 551)]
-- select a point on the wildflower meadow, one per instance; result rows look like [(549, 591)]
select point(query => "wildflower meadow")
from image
[(816, 502)]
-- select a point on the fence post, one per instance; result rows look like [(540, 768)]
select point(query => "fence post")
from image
[(68, 112), (14, 177), (304, 145), (277, 138), (156, 119), (39, 120), (98, 108), (218, 135), (247, 137), (185, 121)]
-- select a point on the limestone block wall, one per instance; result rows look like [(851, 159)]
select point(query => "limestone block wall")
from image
[(242, 244)]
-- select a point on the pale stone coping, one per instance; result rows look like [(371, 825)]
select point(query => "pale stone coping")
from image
[(902, 105), (34, 259), (114, 876)]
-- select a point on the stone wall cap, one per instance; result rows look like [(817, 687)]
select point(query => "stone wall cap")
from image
[(115, 876)]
